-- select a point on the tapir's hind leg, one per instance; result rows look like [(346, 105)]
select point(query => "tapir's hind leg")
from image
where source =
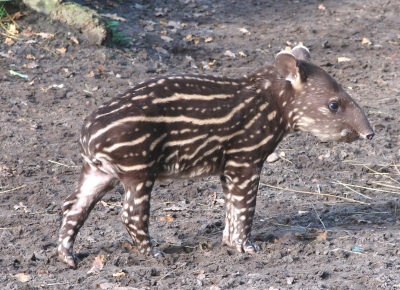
[(93, 185)]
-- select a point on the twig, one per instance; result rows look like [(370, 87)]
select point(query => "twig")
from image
[(395, 166), (318, 217), (370, 188), (62, 164), (376, 172), (285, 159), (169, 273), (372, 212), (315, 193), (19, 187), (349, 188), (386, 185)]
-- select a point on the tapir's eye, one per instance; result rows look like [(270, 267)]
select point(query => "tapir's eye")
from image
[(333, 106)]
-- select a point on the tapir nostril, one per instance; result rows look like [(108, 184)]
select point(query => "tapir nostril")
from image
[(370, 136)]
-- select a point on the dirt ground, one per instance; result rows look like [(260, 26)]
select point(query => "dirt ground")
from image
[(307, 241)]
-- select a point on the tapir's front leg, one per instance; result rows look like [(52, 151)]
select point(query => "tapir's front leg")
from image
[(240, 192)]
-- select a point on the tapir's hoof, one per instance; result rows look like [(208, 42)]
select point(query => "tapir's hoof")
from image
[(71, 260), (157, 254)]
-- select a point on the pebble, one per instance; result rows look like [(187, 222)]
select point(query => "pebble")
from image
[(272, 157)]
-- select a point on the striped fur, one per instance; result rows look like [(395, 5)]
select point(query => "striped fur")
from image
[(185, 126)]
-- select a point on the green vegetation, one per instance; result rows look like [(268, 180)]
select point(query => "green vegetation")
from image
[(3, 12), (118, 37)]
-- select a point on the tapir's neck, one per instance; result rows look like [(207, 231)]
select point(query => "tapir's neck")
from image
[(280, 94)]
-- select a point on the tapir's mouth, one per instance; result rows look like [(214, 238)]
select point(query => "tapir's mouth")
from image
[(368, 136)]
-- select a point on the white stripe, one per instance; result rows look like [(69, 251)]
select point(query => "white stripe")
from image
[(179, 97), (235, 164), (158, 140), (135, 167), (251, 148), (122, 144)]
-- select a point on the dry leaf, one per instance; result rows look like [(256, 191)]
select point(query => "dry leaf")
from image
[(100, 68), (12, 29), (167, 38), (22, 277), (321, 7), (189, 37), (167, 218), (230, 53), (31, 57), (366, 41), (149, 28), (74, 39), (322, 237), (244, 30), (98, 264), (208, 39), (61, 50), (104, 203), (9, 41), (14, 16), (119, 274), (242, 54), (45, 35), (343, 59)]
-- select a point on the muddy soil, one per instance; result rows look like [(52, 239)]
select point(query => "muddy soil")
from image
[(308, 241)]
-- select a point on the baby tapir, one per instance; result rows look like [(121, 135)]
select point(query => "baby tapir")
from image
[(186, 126)]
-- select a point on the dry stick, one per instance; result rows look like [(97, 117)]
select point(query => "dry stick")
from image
[(395, 166), (62, 164), (376, 172), (349, 188), (370, 188), (184, 264), (318, 217), (19, 187), (384, 184), (315, 193)]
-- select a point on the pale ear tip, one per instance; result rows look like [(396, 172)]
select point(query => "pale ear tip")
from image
[(301, 47), (284, 52)]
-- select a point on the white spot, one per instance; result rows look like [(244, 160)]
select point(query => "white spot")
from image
[(139, 186)]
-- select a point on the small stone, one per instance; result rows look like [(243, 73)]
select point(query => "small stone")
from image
[(289, 280), (272, 157)]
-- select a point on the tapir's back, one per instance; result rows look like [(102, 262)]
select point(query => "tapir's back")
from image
[(180, 124)]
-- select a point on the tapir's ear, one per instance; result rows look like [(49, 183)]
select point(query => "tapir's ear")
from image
[(301, 53), (286, 65)]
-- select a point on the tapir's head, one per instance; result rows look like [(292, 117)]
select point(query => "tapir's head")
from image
[(318, 103)]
